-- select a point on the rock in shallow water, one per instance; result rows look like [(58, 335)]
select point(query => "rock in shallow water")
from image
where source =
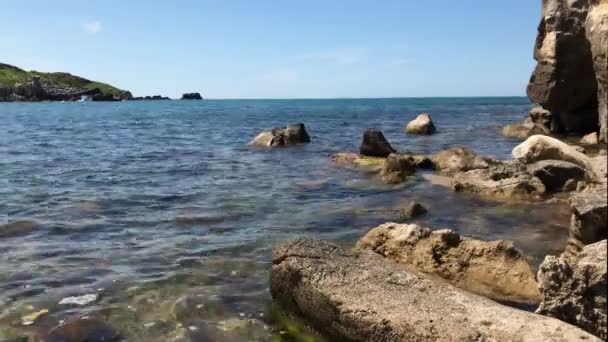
[(423, 124), (589, 222), (556, 173), (374, 144), (574, 290), (360, 296), (80, 330), (282, 136), (494, 269), (457, 159), (396, 168)]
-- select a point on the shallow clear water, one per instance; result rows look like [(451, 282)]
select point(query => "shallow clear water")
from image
[(145, 202)]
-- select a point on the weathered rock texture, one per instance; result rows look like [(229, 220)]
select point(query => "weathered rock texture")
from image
[(396, 168), (282, 136), (589, 222), (574, 290), (423, 124), (457, 159), (494, 269), (571, 75), (557, 175), (523, 130), (503, 181), (360, 296), (374, 144)]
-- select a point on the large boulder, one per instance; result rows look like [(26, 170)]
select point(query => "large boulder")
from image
[(423, 124), (360, 296), (557, 175), (374, 144), (396, 168), (589, 222), (495, 269), (457, 159), (574, 290), (502, 181), (282, 136), (541, 147), (564, 81), (597, 35), (192, 96)]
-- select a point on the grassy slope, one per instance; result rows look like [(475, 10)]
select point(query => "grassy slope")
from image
[(10, 75)]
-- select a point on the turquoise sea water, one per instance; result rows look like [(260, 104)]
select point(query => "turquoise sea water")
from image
[(144, 203)]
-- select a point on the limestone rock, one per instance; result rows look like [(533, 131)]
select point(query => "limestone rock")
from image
[(597, 35), (494, 269), (423, 124), (564, 81), (522, 130), (574, 290), (282, 136), (541, 118), (457, 159), (360, 296), (502, 181), (396, 168), (374, 144), (589, 139), (589, 217), (556, 173), (354, 159)]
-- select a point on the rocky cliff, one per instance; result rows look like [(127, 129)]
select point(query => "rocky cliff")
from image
[(19, 85), (570, 78)]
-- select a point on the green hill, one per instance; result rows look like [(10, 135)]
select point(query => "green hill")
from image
[(12, 75)]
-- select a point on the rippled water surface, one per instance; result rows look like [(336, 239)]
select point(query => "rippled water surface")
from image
[(163, 211)]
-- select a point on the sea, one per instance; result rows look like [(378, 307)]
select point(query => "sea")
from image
[(158, 218)]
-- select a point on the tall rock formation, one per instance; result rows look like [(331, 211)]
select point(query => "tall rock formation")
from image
[(570, 77)]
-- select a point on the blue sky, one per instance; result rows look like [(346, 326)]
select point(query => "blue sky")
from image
[(280, 49)]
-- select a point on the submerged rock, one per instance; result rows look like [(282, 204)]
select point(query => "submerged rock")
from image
[(423, 124), (374, 144), (282, 136), (354, 159), (457, 159), (574, 290), (396, 168), (557, 175), (494, 269), (360, 296), (506, 180), (80, 330), (413, 210)]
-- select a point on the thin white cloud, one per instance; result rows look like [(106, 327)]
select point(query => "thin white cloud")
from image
[(339, 56), (92, 26)]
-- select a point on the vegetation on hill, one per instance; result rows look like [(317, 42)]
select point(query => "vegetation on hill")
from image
[(12, 75)]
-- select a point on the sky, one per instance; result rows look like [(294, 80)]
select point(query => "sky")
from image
[(280, 48)]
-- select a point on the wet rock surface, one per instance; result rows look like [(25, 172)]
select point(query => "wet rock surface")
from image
[(574, 289), (504, 181), (397, 168), (457, 159), (360, 296), (374, 144), (282, 136), (589, 222), (423, 124), (80, 330), (495, 269)]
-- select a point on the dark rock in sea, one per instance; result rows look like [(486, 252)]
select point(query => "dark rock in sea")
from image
[(556, 173), (105, 98), (361, 296), (589, 222), (502, 181), (192, 96), (570, 38), (574, 289), (458, 159), (80, 330), (125, 96), (423, 124), (396, 168), (374, 144), (413, 210), (494, 269), (18, 228), (282, 136)]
